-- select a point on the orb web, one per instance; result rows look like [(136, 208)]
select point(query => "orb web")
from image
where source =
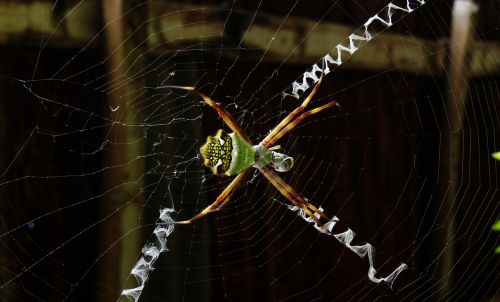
[(98, 162)]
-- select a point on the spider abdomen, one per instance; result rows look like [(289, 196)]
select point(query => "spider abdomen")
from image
[(242, 155), (229, 154)]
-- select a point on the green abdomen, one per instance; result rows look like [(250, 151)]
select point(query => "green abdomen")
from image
[(242, 155)]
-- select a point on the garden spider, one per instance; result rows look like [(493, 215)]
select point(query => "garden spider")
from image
[(233, 154)]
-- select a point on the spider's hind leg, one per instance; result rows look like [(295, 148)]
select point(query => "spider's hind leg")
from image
[(221, 111), (220, 201)]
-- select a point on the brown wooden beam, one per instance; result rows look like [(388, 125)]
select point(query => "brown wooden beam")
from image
[(458, 75), (298, 41), (28, 23), (120, 234)]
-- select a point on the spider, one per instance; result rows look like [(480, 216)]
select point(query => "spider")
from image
[(234, 154)]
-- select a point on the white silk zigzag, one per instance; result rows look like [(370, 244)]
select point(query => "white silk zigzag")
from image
[(328, 63), (150, 253), (365, 250)]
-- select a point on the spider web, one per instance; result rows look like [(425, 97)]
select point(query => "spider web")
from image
[(97, 161)]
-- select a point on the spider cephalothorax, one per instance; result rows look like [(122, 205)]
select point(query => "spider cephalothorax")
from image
[(229, 154)]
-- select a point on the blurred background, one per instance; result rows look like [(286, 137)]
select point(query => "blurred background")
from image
[(92, 149)]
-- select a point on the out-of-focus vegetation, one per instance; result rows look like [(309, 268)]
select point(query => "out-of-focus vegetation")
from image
[(496, 226)]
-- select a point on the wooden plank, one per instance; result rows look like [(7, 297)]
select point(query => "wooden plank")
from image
[(28, 23), (484, 58), (121, 232), (298, 40), (462, 30)]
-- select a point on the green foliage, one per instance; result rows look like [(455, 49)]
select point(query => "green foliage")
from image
[(496, 155), (496, 227)]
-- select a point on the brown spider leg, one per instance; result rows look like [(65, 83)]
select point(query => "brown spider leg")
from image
[(287, 191), (291, 115), (221, 111), (228, 198), (296, 121), (221, 199)]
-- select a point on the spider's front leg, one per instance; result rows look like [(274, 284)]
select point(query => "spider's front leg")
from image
[(266, 141), (290, 126), (291, 120), (287, 191)]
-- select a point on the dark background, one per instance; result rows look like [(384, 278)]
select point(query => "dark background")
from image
[(377, 164)]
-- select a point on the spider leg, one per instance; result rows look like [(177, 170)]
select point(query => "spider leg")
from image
[(221, 111), (228, 198), (294, 197), (220, 201), (291, 115), (223, 204), (296, 121)]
